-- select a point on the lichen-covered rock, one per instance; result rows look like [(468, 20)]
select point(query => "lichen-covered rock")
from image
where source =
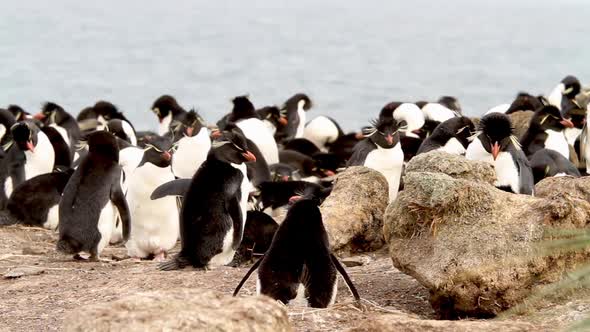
[(564, 185), (476, 247), (453, 165), (408, 323), (520, 122), (181, 309), (353, 213)]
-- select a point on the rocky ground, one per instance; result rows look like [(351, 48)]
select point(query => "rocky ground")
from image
[(54, 285)]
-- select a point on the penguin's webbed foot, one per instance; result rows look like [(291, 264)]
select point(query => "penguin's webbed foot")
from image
[(176, 263)]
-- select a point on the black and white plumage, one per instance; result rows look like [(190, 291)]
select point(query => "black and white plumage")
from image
[(259, 230), (213, 208), (494, 142), (34, 143), (567, 89), (92, 199), (295, 109), (299, 263), (272, 117), (546, 130), (63, 153), (525, 102), (192, 142), (381, 150), (121, 129), (547, 163), (322, 131), (12, 172), (167, 110), (451, 136), (451, 103), (54, 115)]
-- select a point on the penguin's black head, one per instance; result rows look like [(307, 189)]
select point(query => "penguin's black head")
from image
[(165, 105), (525, 102), (315, 193), (575, 113), (384, 132), (51, 113), (273, 114), (158, 151), (450, 103), (242, 109), (326, 164), (6, 122), (24, 135), (233, 148), (86, 113), (461, 128), (571, 86), (496, 133), (299, 100), (388, 109), (18, 112), (104, 144), (119, 129), (549, 118), (283, 172), (107, 110), (190, 125)]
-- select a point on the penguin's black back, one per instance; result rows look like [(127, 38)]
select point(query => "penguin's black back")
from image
[(547, 163), (204, 218), (360, 152), (63, 153), (302, 145), (31, 200)]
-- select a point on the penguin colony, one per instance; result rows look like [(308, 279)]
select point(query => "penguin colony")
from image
[(220, 188)]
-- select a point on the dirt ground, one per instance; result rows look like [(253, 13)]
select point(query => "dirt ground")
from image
[(39, 302)]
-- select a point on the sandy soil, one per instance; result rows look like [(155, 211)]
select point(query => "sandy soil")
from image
[(39, 302)]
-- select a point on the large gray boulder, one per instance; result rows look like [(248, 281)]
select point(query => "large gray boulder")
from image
[(476, 247), (454, 165), (181, 309), (564, 186), (353, 213)]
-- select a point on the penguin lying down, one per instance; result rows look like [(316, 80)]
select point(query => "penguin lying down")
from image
[(289, 266)]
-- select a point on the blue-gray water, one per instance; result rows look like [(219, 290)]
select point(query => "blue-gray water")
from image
[(351, 57)]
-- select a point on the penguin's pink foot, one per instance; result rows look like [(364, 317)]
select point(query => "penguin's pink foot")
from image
[(160, 256)]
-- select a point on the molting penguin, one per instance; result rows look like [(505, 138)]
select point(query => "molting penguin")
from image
[(35, 201), (547, 163), (213, 208), (154, 226), (87, 209), (566, 90), (381, 151), (244, 116), (122, 129), (546, 130), (295, 109), (451, 136), (288, 266), (167, 110), (495, 143), (192, 143), (322, 131), (39, 153)]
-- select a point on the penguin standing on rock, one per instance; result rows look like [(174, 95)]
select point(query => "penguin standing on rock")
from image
[(87, 209), (290, 270), (451, 136), (214, 206), (381, 150), (546, 130), (167, 110), (495, 143), (154, 226)]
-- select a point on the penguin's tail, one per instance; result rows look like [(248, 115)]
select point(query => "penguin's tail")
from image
[(67, 246), (7, 219), (176, 263)]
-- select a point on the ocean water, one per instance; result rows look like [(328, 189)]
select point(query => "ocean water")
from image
[(351, 57)]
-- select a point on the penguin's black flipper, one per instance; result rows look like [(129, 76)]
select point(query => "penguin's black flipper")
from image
[(118, 199), (527, 181), (254, 267), (342, 271), (176, 187), (235, 212), (176, 263)]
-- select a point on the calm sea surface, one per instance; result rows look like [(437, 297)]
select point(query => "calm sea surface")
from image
[(351, 57)]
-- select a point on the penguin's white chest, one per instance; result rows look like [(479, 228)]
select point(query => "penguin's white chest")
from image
[(155, 225), (270, 127), (62, 132), (388, 162), (556, 141), (453, 146), (128, 130), (506, 172), (106, 225), (41, 161), (320, 131), (301, 126), (191, 153), (164, 126), (256, 131), (571, 135)]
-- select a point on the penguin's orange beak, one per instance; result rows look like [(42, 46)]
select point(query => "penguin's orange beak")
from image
[(330, 173), (166, 155), (39, 116), (495, 150), (189, 131), (285, 178), (359, 136), (294, 199), (567, 123), (30, 146), (249, 156), (283, 121), (215, 134), (389, 139)]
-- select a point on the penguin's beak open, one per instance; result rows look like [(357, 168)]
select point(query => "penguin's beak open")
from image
[(389, 139), (249, 156), (567, 123), (39, 116), (283, 121), (189, 131), (495, 150), (166, 155), (30, 146)]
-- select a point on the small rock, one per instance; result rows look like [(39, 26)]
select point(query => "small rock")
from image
[(23, 272), (351, 263), (564, 185), (453, 165), (353, 213), (34, 251)]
